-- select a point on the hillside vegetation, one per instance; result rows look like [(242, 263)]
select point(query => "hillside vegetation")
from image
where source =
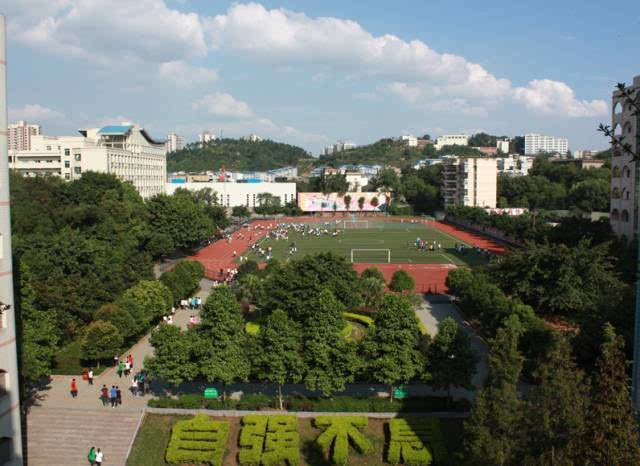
[(235, 154)]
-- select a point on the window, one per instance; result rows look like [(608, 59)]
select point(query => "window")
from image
[(4, 382), (625, 216), (67, 164), (616, 172), (626, 171), (615, 215), (77, 157), (6, 447), (67, 152), (77, 170), (615, 193), (48, 147)]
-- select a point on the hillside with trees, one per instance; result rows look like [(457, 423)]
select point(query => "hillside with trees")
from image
[(236, 154)]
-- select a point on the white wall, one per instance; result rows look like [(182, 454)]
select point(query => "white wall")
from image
[(240, 194)]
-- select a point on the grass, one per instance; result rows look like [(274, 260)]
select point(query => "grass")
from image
[(153, 437), (398, 237)]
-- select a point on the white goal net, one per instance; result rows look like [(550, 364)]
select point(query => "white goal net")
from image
[(371, 256), (354, 224)]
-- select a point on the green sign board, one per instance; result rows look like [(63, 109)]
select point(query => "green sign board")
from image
[(211, 392), (400, 393)]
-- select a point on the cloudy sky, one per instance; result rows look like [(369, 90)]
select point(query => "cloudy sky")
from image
[(310, 72)]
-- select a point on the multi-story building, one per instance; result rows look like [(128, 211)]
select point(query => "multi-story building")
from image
[(10, 432), (231, 194), (126, 151), (624, 171), (514, 165), (206, 137), (174, 142), (535, 144), (503, 145), (20, 135), (409, 140), (452, 140), (470, 181)]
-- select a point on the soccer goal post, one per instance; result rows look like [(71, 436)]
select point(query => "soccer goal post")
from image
[(353, 224), (373, 256)]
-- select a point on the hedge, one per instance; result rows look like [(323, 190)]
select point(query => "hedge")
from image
[(269, 440), (416, 442), (198, 440), (338, 430), (373, 404), (346, 331), (252, 328), (365, 320)]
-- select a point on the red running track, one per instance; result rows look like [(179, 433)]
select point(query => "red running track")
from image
[(428, 277)]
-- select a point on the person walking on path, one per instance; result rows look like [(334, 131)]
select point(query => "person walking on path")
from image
[(92, 456), (113, 394), (120, 369), (118, 396), (74, 388), (116, 359), (99, 455), (127, 368), (134, 386), (90, 377), (104, 395), (130, 358)]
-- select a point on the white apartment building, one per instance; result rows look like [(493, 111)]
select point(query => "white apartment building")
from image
[(206, 137), (240, 194), (410, 140), (537, 143), (452, 140), (470, 181), (20, 135), (503, 146), (126, 151), (175, 142), (624, 171), (514, 165)]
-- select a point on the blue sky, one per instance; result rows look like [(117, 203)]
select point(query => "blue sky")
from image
[(309, 73)]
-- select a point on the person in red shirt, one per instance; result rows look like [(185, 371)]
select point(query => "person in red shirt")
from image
[(74, 388), (131, 361)]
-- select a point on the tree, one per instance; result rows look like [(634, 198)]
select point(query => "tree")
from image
[(374, 202), (250, 287), (117, 316), (391, 345), (220, 347), (330, 361), (240, 211), (147, 301), (556, 409), (248, 267), (183, 279), (401, 281), (172, 359), (361, 201), (451, 360), (491, 434), (372, 272), (101, 341), (347, 201), (611, 435), (372, 290), (277, 358), (590, 195)]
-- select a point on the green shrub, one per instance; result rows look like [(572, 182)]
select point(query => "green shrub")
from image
[(365, 320), (252, 328), (269, 440), (346, 331), (254, 402), (198, 440), (416, 442), (338, 431)]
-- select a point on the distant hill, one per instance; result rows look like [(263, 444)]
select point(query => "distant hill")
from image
[(236, 154), (392, 152)]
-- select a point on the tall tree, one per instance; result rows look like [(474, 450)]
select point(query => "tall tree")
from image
[(347, 201), (451, 360), (101, 341), (391, 345), (491, 434), (277, 358), (611, 435), (401, 281), (172, 359), (330, 360), (221, 346), (556, 409)]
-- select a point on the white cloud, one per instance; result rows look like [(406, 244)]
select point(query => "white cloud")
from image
[(107, 30), (34, 113), (186, 75), (223, 105), (556, 98)]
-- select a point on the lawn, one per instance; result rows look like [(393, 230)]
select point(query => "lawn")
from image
[(154, 434), (398, 237)]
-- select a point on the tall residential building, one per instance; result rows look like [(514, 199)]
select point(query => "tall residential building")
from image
[(471, 182), (10, 431), (174, 142), (452, 140), (206, 137), (20, 135), (624, 172), (537, 143), (125, 150), (503, 145)]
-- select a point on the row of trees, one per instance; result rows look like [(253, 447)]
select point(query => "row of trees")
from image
[(568, 417)]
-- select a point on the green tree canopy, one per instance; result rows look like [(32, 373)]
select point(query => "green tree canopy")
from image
[(401, 281), (101, 341), (173, 355), (117, 316)]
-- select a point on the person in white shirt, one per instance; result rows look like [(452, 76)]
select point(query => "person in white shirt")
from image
[(90, 376), (99, 457)]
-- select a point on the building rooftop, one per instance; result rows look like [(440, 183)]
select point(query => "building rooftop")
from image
[(115, 130)]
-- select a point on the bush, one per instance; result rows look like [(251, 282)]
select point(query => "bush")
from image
[(254, 402), (269, 440), (346, 331), (338, 430), (365, 320), (416, 442), (401, 281), (198, 440), (101, 341), (252, 328)]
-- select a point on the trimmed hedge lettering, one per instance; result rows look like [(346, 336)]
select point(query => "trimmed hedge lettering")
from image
[(269, 440), (416, 442), (198, 440), (339, 432)]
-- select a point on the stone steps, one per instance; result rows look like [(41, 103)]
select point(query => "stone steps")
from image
[(57, 436)]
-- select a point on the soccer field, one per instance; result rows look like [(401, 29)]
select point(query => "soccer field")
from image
[(372, 245)]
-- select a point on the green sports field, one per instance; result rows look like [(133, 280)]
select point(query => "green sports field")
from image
[(398, 238)]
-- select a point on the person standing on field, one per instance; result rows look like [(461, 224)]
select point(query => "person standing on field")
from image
[(74, 388)]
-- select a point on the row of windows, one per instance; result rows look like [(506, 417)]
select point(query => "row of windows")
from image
[(616, 215), (616, 194), (626, 172)]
